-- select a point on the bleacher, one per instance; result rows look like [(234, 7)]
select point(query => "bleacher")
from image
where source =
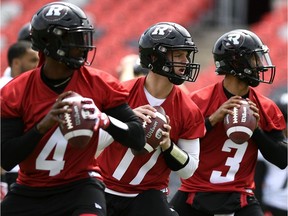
[(273, 30), (120, 23)]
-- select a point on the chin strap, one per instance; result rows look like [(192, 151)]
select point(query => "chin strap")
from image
[(176, 81), (41, 58)]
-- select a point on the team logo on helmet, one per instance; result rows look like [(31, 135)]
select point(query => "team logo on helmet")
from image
[(54, 12), (161, 31), (233, 40)]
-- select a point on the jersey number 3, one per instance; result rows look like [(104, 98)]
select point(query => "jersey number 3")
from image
[(232, 162)]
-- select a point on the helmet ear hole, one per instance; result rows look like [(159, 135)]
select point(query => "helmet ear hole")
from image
[(45, 40), (150, 66), (46, 52), (153, 58)]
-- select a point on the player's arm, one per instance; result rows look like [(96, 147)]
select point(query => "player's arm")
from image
[(15, 144), (125, 127), (273, 146), (184, 157), (105, 139), (259, 177)]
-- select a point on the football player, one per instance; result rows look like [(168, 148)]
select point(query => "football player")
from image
[(137, 183), (271, 182), (23, 35), (55, 178), (223, 183)]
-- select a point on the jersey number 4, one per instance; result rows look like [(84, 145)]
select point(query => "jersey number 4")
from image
[(56, 146)]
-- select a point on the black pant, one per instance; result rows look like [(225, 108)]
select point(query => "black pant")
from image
[(83, 196), (276, 211), (10, 178), (150, 202), (178, 203)]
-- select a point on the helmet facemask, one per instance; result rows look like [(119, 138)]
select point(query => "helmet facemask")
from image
[(166, 67), (262, 65), (253, 67), (67, 40)]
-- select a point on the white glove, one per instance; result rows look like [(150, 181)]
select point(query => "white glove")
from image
[(101, 119)]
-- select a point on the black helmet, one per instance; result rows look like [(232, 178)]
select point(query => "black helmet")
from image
[(242, 54), (24, 33), (163, 37), (57, 28)]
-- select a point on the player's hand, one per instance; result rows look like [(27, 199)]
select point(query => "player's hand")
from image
[(166, 142), (145, 112), (255, 109), (224, 109), (52, 117), (101, 119)]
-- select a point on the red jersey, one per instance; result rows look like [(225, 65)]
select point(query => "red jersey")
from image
[(125, 173), (224, 165), (53, 162)]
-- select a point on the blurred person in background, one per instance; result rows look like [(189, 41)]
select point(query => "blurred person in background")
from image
[(23, 35), (271, 182), (130, 68), (21, 57), (223, 184), (137, 182)]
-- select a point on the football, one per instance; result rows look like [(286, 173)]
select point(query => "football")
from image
[(153, 131), (240, 126), (77, 130)]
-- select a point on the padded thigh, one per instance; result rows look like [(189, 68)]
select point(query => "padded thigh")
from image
[(152, 203), (178, 203)]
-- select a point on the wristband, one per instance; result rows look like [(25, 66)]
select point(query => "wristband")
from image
[(208, 124), (175, 157), (179, 154)]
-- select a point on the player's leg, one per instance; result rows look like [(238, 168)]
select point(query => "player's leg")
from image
[(20, 203), (152, 203), (277, 211), (253, 208), (90, 199), (178, 202), (116, 205), (11, 178)]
